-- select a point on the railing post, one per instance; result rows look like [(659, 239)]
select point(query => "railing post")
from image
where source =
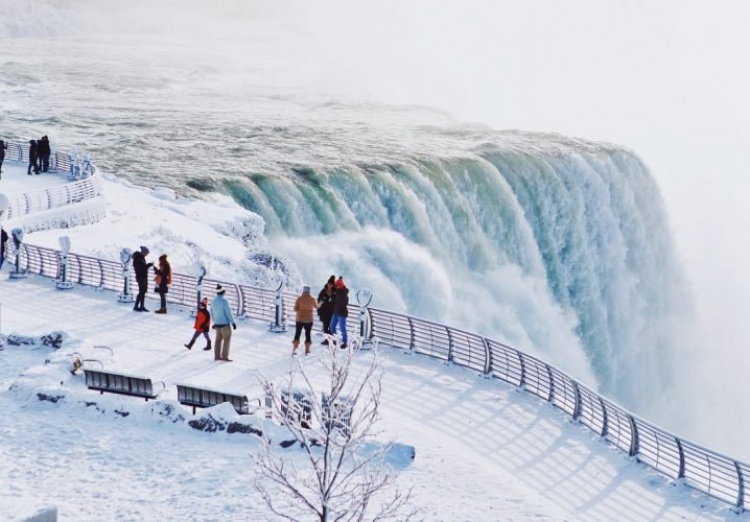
[(17, 235), (449, 334), (125, 296), (364, 298), (577, 396), (605, 418), (487, 357), (634, 442), (740, 487), (279, 325), (551, 378), (63, 283)]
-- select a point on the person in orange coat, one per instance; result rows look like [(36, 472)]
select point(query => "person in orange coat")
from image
[(304, 306), (202, 325)]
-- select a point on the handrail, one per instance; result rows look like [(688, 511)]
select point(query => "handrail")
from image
[(702, 469), (26, 203)]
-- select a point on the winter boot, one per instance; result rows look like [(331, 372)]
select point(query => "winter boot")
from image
[(295, 345), (161, 311), (307, 347), (189, 345), (208, 346)]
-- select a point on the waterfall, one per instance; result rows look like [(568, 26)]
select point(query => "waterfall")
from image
[(556, 246)]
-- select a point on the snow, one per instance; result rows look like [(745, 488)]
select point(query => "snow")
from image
[(484, 450)]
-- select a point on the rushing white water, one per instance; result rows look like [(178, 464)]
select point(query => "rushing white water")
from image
[(557, 246)]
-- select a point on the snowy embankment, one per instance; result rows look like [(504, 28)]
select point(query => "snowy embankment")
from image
[(483, 451)]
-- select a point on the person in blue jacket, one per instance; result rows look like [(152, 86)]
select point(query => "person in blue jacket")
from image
[(223, 324)]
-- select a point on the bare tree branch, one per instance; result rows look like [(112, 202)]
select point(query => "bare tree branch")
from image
[(335, 469)]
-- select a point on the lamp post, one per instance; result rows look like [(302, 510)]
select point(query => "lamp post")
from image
[(63, 283), (125, 296), (364, 297)]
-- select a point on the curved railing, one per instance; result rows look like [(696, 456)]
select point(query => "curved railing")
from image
[(699, 468), (246, 301), (86, 184)]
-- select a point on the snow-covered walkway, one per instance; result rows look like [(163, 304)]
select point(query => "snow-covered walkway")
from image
[(484, 451)]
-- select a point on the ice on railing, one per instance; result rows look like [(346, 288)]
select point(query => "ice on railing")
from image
[(86, 187)]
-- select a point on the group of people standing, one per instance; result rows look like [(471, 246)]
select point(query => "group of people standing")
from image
[(333, 309), (223, 318), (162, 279), (332, 306), (39, 154)]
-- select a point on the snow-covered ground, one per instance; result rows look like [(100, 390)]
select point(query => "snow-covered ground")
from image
[(484, 450)]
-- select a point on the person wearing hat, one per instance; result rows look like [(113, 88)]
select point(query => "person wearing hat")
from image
[(202, 325), (304, 307), (163, 279), (141, 277), (340, 309), (223, 318)]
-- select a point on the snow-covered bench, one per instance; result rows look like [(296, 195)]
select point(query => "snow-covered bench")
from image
[(190, 395), (111, 382)]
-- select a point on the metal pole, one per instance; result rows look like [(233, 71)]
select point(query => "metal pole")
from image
[(125, 296), (17, 235), (364, 298), (63, 283), (200, 273), (279, 325)]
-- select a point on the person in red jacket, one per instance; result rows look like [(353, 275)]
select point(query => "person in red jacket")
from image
[(202, 325)]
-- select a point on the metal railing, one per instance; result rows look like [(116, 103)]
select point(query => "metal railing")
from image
[(88, 187), (246, 301), (700, 468)]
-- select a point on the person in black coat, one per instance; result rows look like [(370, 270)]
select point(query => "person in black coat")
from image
[(33, 157), (325, 306), (340, 309), (3, 148), (141, 277), (44, 151), (3, 239)]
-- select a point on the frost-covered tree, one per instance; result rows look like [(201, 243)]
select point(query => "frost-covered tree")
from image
[(333, 468)]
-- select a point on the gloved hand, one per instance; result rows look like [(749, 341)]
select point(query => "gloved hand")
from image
[(149, 265), (205, 330), (234, 326)]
